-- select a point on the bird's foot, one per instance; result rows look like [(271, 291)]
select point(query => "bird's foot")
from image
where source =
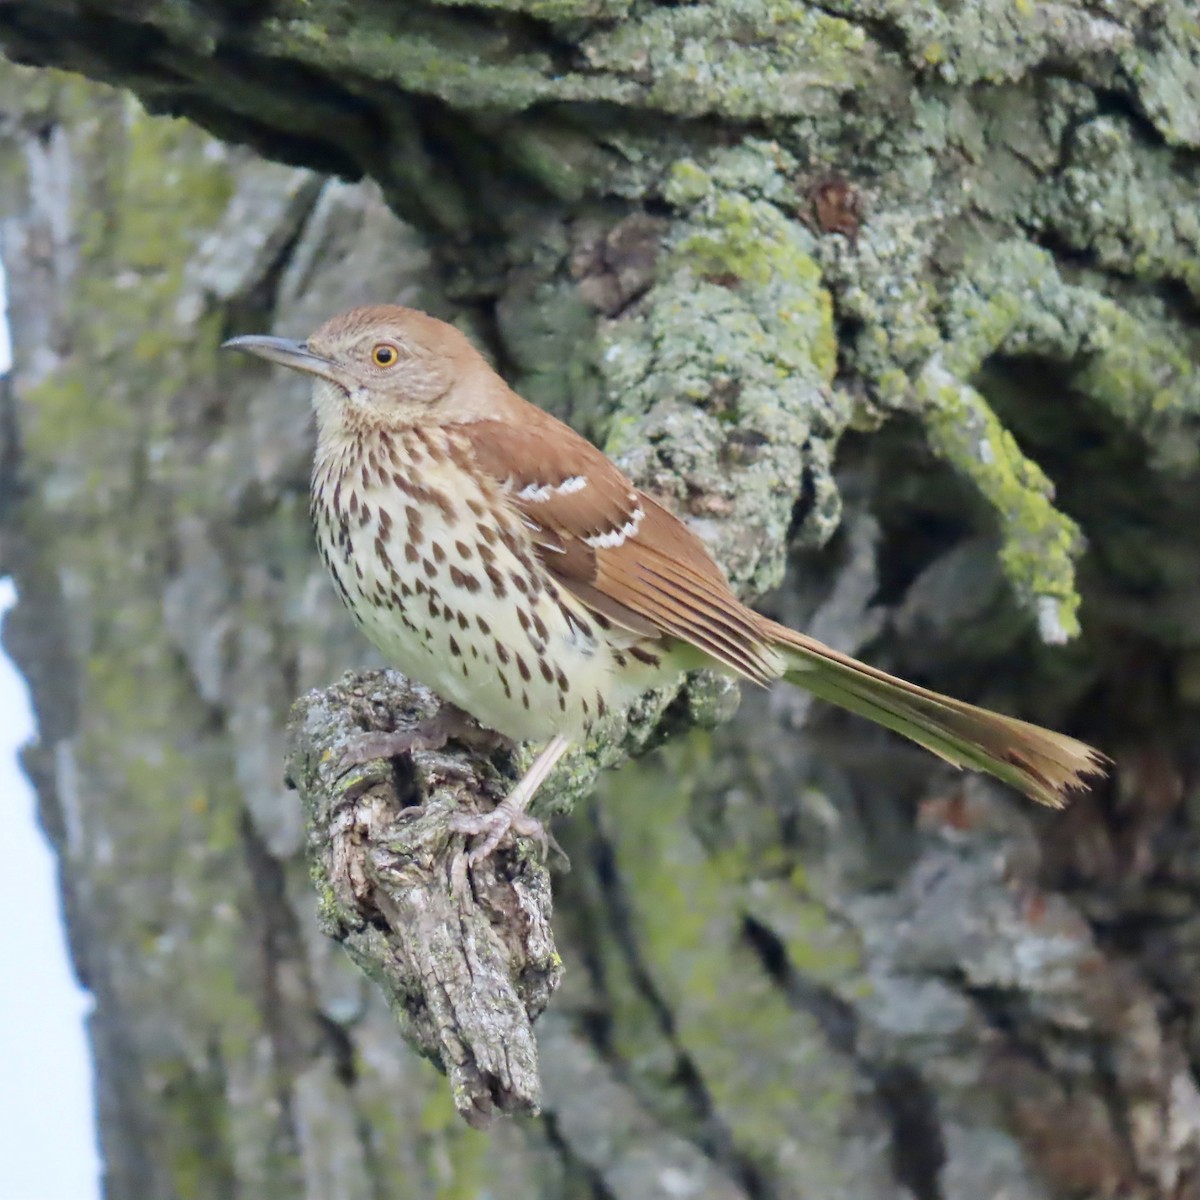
[(448, 723), (504, 821), (509, 816)]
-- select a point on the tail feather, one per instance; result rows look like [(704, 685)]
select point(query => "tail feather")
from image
[(1042, 764)]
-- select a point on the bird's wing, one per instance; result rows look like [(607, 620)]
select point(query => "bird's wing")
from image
[(623, 555)]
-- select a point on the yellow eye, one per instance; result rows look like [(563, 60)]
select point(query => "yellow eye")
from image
[(385, 355)]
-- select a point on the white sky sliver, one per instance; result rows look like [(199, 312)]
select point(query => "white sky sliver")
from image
[(47, 1137)]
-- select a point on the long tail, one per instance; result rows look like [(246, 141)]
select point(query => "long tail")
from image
[(1042, 764)]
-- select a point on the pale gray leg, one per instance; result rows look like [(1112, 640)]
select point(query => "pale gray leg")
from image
[(509, 815)]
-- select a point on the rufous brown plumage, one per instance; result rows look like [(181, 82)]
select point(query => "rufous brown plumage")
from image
[(499, 558)]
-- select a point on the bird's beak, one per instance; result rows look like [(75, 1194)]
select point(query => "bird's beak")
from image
[(283, 351)]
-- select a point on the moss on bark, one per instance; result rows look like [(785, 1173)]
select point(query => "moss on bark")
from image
[(720, 236)]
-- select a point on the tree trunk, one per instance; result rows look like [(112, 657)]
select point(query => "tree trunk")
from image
[(954, 249)]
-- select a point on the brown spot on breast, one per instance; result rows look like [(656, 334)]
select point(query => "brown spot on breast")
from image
[(547, 672), (428, 568), (341, 588), (561, 679), (439, 555), (501, 652), (525, 698), (484, 627), (454, 648), (463, 580), (489, 535), (422, 494), (442, 501), (477, 509), (519, 583), (497, 582), (464, 551), (460, 454), (410, 552), (415, 520), (645, 656), (523, 617), (540, 626), (412, 448), (523, 668)]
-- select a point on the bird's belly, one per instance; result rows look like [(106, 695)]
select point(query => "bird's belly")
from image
[(471, 615), (501, 678)]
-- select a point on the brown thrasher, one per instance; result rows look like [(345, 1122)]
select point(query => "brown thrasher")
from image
[(499, 558)]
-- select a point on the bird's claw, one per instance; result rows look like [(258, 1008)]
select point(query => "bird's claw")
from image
[(368, 747), (497, 826), (449, 723)]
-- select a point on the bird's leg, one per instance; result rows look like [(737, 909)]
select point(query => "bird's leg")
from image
[(509, 815), (433, 733)]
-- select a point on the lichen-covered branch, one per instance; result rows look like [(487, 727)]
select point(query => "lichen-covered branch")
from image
[(466, 965), (929, 266)]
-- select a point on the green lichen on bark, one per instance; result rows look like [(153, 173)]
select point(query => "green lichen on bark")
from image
[(1134, 360), (727, 366), (925, 352), (1039, 544), (1164, 68), (972, 131), (419, 50), (979, 41), (1129, 205), (749, 58), (755, 1053), (740, 58)]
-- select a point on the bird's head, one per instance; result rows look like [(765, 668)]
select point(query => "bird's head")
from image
[(383, 366)]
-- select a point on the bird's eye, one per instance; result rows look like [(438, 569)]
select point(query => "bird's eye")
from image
[(385, 355)]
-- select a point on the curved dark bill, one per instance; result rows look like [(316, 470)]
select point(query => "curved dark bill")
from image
[(283, 351)]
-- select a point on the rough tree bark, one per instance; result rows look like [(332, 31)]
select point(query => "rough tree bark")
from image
[(955, 247)]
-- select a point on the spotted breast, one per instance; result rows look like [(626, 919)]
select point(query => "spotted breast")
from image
[(439, 569)]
